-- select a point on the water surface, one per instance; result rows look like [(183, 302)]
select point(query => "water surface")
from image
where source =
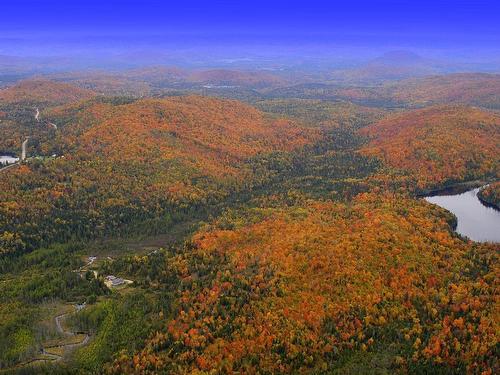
[(7, 159), (474, 219)]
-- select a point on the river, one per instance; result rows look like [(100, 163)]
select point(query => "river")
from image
[(474, 220)]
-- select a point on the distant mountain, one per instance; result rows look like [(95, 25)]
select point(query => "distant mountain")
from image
[(438, 144), (391, 66), (160, 79), (399, 58), (236, 78), (161, 73), (43, 91), (218, 77), (478, 89), (18, 65)]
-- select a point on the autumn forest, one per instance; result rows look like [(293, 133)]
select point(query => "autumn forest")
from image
[(215, 212)]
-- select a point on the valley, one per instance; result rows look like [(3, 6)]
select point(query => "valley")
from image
[(272, 225)]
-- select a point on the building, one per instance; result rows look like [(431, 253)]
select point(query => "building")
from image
[(113, 281)]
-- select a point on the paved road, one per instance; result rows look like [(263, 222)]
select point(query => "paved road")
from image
[(23, 149), (23, 156)]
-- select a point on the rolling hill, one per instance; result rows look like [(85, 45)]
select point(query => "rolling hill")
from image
[(43, 91), (322, 114), (152, 158), (211, 134), (236, 78), (281, 238), (22, 113), (326, 288), (160, 79), (478, 89), (438, 144), (391, 66)]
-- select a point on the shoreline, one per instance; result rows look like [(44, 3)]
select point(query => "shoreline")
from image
[(455, 188), (488, 204)]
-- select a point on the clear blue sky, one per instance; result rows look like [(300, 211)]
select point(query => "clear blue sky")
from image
[(474, 18), (419, 23)]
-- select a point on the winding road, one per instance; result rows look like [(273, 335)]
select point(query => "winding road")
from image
[(48, 354), (60, 329), (37, 118), (25, 143)]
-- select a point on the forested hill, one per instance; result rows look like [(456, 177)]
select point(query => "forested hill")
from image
[(326, 287), (206, 235), (476, 89), (118, 163), (439, 145), (213, 135), (43, 91)]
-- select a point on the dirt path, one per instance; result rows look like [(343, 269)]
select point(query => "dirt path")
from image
[(62, 331), (37, 118)]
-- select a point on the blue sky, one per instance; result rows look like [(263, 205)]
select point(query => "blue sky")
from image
[(406, 24), (472, 19)]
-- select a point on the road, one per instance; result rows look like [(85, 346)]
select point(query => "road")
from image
[(25, 143), (9, 167), (50, 353), (37, 118), (60, 329), (23, 149), (23, 157)]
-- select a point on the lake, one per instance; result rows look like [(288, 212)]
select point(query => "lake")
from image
[(474, 220), (7, 159)]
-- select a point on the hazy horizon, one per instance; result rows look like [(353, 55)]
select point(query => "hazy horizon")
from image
[(119, 34)]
